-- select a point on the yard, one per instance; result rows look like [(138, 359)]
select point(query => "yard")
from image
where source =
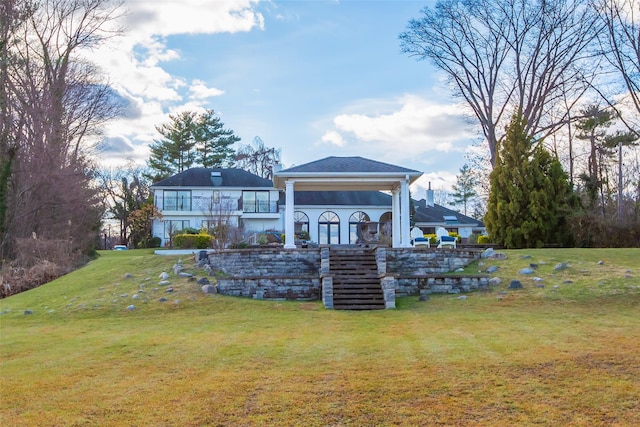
[(98, 347)]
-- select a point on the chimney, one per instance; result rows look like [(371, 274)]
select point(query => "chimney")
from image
[(429, 196)]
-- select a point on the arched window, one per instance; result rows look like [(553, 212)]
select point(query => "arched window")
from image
[(385, 224), (329, 228), (301, 223), (355, 229)]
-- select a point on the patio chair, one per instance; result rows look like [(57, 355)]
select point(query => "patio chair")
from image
[(418, 239), (444, 239)]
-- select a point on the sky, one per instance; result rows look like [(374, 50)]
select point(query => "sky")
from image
[(312, 78)]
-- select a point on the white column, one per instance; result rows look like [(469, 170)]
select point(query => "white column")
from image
[(289, 229), (406, 213), (395, 218)]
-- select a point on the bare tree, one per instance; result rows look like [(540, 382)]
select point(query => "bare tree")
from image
[(503, 56), (258, 159), (621, 41), (58, 102)]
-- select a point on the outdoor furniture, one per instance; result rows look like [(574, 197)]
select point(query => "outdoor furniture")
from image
[(418, 239), (444, 239)]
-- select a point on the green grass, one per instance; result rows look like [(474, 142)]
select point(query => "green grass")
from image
[(562, 354)]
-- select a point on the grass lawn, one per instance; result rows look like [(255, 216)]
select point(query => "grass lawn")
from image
[(565, 350)]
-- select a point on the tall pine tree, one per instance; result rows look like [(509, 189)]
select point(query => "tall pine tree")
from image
[(213, 142), (530, 196), (191, 140)]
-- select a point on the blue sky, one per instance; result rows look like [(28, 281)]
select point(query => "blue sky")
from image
[(313, 78)]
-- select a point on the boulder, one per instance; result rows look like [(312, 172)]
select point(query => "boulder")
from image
[(515, 284)]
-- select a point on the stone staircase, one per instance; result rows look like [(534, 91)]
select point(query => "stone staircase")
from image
[(356, 285)]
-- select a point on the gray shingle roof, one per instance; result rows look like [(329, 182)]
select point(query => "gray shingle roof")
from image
[(202, 177), (347, 164), (437, 214)]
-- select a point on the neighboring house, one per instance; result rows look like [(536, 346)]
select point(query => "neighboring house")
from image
[(201, 198), (428, 216)]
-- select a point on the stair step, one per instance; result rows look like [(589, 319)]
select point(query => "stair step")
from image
[(356, 285)]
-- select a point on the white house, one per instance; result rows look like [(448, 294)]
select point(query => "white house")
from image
[(336, 200), (201, 198)]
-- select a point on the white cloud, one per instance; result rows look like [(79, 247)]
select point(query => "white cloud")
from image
[(135, 61), (334, 138), (405, 129), (169, 17), (199, 90)]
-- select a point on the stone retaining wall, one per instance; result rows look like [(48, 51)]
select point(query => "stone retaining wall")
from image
[(298, 274)]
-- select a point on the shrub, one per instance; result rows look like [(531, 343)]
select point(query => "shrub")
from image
[(473, 239), (433, 239), (239, 245), (155, 242), (483, 240), (188, 241)]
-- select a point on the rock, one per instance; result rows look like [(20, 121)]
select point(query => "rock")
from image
[(28, 312), (163, 299), (538, 285), (492, 269), (135, 296), (601, 262), (203, 281), (209, 289), (164, 275), (488, 253), (538, 279), (499, 256), (164, 283), (525, 257), (556, 286), (494, 281), (124, 295), (567, 282), (462, 297), (515, 284), (561, 266), (526, 271), (177, 268), (131, 307), (185, 274), (534, 266), (424, 297), (128, 276), (168, 290), (459, 270)]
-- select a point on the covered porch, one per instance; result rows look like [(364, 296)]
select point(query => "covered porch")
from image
[(350, 174)]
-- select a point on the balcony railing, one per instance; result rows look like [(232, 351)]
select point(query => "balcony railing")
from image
[(199, 204), (259, 206)]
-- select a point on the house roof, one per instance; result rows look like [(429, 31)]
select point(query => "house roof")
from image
[(347, 165), (341, 198), (345, 174), (440, 215), (214, 177)]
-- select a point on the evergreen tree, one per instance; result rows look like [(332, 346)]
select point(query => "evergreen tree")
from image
[(530, 196), (464, 188), (176, 151), (213, 142), (191, 140)]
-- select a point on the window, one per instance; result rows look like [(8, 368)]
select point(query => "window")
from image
[(355, 229), (256, 202), (300, 222), (173, 226), (329, 228), (386, 224), (177, 200)]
